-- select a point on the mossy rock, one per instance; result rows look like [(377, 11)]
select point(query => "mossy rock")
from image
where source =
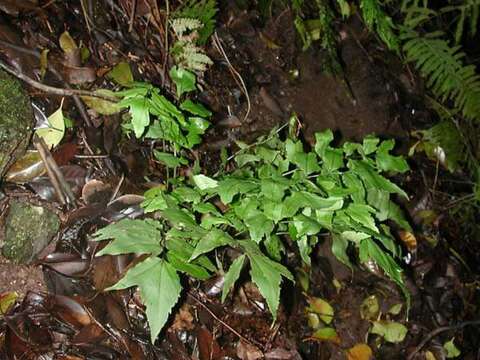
[(28, 230), (16, 121)]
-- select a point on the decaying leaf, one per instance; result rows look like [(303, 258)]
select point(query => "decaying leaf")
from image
[(359, 352), (370, 308), (322, 308), (326, 334), (6, 301), (391, 331)]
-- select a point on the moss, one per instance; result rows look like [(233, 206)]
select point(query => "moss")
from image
[(28, 230), (16, 121)]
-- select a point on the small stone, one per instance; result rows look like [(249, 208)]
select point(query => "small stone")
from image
[(28, 230)]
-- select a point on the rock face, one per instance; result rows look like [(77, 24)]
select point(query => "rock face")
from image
[(28, 230), (16, 121)]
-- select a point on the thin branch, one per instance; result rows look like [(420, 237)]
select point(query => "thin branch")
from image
[(53, 90), (437, 331), (78, 103), (228, 327), (62, 188), (235, 73)]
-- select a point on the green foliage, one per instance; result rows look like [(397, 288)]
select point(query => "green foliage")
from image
[(159, 286), (442, 142), (153, 116), (187, 51), (202, 10), (184, 80), (443, 67), (376, 19), (319, 28), (278, 192), (466, 16)]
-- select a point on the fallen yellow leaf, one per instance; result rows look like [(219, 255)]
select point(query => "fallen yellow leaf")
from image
[(359, 352)]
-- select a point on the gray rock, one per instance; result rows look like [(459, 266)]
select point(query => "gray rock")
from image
[(16, 121), (28, 230)]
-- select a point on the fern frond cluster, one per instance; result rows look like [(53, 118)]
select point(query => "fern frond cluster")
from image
[(203, 11), (182, 26), (376, 19), (186, 53), (190, 56), (444, 69), (467, 15)]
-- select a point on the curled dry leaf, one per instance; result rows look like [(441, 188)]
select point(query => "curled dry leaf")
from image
[(96, 191), (183, 319), (25, 169), (409, 240), (6, 301), (248, 351)]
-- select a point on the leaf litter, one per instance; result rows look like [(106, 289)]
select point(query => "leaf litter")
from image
[(74, 318)]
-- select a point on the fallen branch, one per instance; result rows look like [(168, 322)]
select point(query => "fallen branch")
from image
[(54, 90), (437, 331), (61, 186)]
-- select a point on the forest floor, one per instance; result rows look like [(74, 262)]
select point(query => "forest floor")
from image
[(59, 314)]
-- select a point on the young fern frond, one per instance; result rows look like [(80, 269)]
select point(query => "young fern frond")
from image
[(443, 67), (191, 57), (204, 11), (183, 25), (185, 50), (376, 19)]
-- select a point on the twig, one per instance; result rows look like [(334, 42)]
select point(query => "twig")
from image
[(236, 74), (53, 90), (132, 15), (166, 45), (243, 338), (117, 189), (437, 331), (86, 16), (37, 142), (78, 103), (259, 143)]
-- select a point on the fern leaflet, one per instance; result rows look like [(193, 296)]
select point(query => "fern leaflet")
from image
[(204, 11), (445, 71), (377, 19)]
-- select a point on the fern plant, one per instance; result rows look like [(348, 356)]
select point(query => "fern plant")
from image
[(466, 16), (187, 54), (203, 11), (444, 69), (279, 193), (377, 20)]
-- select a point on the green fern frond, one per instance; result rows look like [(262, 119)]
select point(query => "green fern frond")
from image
[(203, 10), (190, 57), (376, 19), (417, 15), (443, 67), (183, 25), (468, 12)]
